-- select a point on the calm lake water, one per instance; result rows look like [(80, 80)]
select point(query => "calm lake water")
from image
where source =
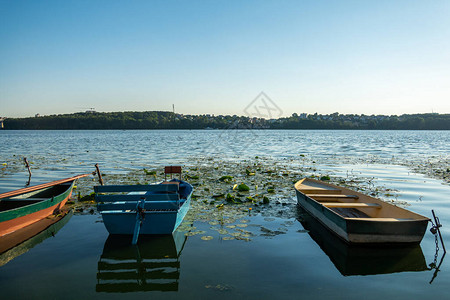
[(287, 258)]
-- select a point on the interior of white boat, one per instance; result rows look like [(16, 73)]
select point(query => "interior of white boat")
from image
[(350, 204)]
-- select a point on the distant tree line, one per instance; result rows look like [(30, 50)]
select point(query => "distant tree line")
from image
[(432, 121), (169, 120)]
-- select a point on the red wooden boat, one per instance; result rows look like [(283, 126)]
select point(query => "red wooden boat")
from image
[(26, 206)]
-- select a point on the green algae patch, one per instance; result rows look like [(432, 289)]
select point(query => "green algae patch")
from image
[(226, 178), (90, 197), (243, 187), (149, 172)]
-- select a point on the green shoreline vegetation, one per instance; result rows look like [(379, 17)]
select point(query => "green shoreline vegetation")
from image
[(170, 120)]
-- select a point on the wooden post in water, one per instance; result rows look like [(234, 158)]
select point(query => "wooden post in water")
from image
[(100, 179), (27, 165), (29, 171)]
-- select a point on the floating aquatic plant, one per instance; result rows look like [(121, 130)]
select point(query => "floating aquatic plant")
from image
[(147, 172), (249, 173), (243, 187), (226, 178)]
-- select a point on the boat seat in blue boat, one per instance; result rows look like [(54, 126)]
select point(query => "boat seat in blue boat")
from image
[(149, 205), (185, 189), (167, 188), (160, 197), (134, 197)]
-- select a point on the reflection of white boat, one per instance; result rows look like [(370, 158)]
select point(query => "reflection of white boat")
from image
[(31, 236), (358, 218), (151, 265), (364, 260)]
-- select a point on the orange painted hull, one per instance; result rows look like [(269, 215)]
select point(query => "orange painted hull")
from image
[(26, 207), (7, 227)]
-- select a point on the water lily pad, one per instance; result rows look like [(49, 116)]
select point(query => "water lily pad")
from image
[(243, 187), (206, 237), (226, 178)]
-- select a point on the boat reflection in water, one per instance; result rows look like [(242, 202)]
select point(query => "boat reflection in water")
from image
[(151, 265), (21, 241), (364, 260)]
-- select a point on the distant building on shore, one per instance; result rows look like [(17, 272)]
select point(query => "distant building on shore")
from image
[(1, 122)]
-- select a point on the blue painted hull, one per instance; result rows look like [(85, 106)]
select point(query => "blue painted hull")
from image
[(155, 222)]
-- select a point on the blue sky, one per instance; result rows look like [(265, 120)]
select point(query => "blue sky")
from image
[(371, 57)]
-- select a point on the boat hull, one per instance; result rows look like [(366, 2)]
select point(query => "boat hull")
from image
[(364, 231), (21, 217), (155, 222)]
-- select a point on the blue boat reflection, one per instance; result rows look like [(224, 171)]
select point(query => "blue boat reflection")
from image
[(151, 265)]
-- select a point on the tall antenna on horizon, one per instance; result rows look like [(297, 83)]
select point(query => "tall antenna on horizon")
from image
[(173, 108)]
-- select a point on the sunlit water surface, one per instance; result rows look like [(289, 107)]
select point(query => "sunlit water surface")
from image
[(296, 262)]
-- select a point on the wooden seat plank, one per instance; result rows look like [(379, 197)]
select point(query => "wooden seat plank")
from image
[(156, 205), (332, 196), (351, 205), (136, 188), (318, 191), (137, 197)]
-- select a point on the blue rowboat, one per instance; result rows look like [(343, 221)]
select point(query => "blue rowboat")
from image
[(143, 209)]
